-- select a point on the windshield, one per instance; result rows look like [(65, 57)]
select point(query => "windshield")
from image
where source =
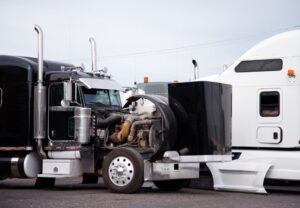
[(101, 97)]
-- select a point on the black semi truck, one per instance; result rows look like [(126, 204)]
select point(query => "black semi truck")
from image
[(59, 121)]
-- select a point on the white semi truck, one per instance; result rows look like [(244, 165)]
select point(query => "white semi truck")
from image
[(59, 121), (265, 115)]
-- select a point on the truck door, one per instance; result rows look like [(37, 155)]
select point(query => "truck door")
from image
[(60, 114), (269, 116)]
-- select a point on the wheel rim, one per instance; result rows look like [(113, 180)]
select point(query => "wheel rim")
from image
[(121, 171)]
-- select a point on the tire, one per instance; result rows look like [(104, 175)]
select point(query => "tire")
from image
[(89, 179), (44, 182), (1, 179), (171, 185), (123, 170)]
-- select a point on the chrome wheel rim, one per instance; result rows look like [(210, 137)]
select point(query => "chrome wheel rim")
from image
[(121, 171)]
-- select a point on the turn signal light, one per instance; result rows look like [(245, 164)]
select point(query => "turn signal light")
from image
[(291, 73)]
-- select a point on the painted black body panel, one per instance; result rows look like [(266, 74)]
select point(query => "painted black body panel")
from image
[(17, 78), (203, 112)]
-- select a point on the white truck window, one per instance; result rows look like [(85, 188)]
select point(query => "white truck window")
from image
[(259, 65), (269, 104)]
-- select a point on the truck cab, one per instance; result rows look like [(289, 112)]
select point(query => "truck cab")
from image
[(60, 121), (265, 117)]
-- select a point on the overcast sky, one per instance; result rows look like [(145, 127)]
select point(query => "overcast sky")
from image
[(137, 38)]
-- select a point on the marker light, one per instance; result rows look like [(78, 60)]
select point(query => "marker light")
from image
[(291, 73), (146, 79)]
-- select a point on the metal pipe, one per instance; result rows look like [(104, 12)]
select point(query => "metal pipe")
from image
[(106, 122), (196, 70), (94, 54), (135, 126), (40, 149), (39, 114), (39, 31)]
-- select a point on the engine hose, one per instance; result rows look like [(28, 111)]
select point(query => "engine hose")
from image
[(104, 123)]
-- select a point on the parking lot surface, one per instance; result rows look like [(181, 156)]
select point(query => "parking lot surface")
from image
[(71, 193)]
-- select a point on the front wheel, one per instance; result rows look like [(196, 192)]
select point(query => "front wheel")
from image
[(171, 185), (123, 170)]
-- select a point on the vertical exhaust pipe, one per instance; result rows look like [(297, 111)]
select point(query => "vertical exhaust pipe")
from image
[(94, 54), (39, 114), (196, 70)]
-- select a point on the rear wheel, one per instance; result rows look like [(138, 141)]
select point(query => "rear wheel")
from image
[(171, 185), (123, 170)]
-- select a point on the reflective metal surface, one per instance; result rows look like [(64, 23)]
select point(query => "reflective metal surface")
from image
[(106, 84), (39, 119), (94, 53), (39, 31), (121, 171), (32, 165), (15, 172), (159, 171), (82, 117)]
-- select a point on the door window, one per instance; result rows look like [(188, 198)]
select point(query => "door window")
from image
[(269, 104)]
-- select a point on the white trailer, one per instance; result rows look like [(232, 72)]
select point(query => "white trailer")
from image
[(265, 115)]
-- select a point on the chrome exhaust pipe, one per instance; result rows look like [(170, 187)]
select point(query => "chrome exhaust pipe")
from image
[(39, 114), (196, 70), (40, 53), (94, 54)]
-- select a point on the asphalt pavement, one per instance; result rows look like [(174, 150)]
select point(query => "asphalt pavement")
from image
[(71, 193)]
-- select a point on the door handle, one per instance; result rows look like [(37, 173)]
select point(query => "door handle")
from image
[(275, 135)]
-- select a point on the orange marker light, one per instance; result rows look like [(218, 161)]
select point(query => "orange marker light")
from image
[(291, 73), (146, 79)]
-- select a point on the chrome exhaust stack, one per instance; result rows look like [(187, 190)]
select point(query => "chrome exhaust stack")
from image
[(94, 54), (196, 70), (39, 114)]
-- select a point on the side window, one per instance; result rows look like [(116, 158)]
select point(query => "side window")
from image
[(269, 104), (1, 94), (259, 65), (56, 94)]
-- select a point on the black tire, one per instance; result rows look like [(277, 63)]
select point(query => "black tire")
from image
[(171, 185), (1, 179), (89, 179), (44, 182), (129, 176)]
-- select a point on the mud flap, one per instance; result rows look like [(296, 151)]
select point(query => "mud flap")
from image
[(239, 176)]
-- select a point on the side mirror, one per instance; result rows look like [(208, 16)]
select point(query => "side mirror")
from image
[(67, 94)]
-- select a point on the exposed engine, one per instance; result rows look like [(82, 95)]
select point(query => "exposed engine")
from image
[(139, 126)]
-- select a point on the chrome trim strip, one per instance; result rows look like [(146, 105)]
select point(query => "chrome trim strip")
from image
[(14, 167)]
